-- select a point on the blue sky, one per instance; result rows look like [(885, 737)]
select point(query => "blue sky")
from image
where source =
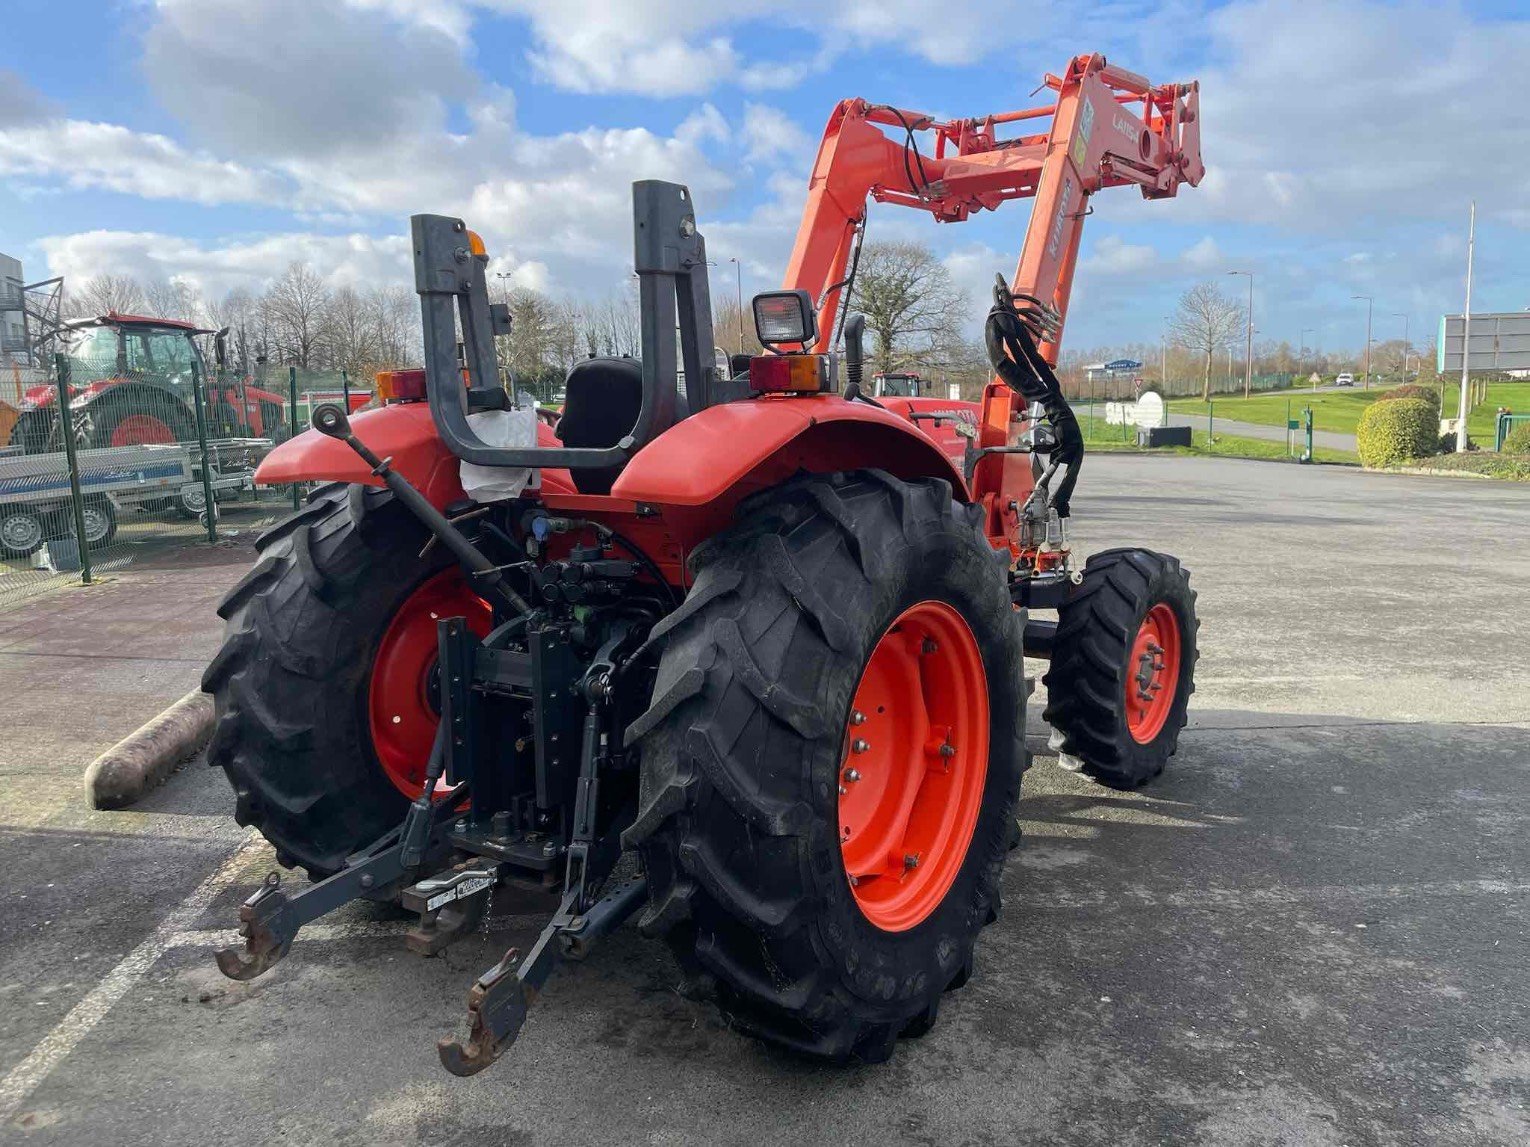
[(216, 140)]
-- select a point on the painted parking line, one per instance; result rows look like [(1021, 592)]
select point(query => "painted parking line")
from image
[(176, 931), (28, 1075)]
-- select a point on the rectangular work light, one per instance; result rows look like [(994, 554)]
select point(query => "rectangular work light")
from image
[(782, 317)]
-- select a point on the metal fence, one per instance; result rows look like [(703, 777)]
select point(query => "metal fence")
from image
[(125, 480)]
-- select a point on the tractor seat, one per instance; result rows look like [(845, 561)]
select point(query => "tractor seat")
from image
[(602, 397)]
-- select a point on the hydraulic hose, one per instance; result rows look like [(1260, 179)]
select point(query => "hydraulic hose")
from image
[(1013, 355)]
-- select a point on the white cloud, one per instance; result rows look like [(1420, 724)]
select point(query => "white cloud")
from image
[(678, 47), (1327, 115), (324, 79), (769, 134), (215, 268), (80, 154)]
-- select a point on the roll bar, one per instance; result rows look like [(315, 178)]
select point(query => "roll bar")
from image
[(669, 256)]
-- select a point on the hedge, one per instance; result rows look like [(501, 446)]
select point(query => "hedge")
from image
[(1391, 432), (1517, 441), (1412, 390)]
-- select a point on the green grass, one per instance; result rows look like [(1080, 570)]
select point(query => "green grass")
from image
[(1479, 423), (1110, 439), (1340, 410), (1335, 410)]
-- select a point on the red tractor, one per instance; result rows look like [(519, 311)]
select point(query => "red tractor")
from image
[(130, 384), (745, 656)]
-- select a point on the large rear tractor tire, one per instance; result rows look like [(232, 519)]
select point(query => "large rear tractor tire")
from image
[(36, 431), (832, 759), (138, 418), (1123, 666), (322, 685)]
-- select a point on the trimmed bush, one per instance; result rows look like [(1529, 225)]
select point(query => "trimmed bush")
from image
[(1412, 390), (1517, 441), (1391, 432)]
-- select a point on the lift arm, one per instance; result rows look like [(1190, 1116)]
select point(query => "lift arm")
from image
[(1108, 128)]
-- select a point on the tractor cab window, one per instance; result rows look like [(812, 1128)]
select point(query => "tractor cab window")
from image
[(163, 357), (897, 386), (93, 355)]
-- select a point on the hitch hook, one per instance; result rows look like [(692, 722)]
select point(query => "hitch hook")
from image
[(262, 949)]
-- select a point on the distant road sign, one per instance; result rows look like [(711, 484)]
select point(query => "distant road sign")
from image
[(1499, 342)]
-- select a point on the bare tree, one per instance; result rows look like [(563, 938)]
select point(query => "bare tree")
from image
[(395, 317), (103, 293), (733, 328), (531, 346), (913, 309), (172, 298), (351, 341), (1205, 322), (296, 307)]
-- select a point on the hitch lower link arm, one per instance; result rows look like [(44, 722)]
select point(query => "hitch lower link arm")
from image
[(269, 920), (500, 999)]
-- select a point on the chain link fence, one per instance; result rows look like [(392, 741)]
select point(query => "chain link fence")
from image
[(155, 453)]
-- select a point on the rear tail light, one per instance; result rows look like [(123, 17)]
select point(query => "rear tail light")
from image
[(789, 373), (401, 385)]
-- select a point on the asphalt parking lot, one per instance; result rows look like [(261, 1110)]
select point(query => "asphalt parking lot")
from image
[(1314, 929)]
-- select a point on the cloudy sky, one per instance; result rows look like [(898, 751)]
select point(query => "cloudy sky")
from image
[(219, 139)]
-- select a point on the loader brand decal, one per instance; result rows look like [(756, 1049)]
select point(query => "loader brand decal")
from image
[(957, 415), (462, 891), (1126, 127), (1085, 126), (1064, 203)]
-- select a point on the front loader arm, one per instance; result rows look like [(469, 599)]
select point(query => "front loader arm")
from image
[(1108, 128)]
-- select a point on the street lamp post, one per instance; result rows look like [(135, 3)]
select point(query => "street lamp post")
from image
[(1404, 318), (1163, 356), (1305, 331), (1369, 306), (739, 276), (504, 297), (1248, 364)]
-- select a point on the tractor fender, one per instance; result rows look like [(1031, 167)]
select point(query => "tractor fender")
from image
[(724, 452), (404, 433)]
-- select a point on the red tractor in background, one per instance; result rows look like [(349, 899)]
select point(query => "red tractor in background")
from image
[(744, 654), (130, 384)]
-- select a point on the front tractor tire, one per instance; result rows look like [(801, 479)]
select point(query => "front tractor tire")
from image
[(1123, 666), (832, 759), (321, 686)]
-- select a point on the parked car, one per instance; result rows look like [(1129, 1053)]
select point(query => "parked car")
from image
[(1345, 379)]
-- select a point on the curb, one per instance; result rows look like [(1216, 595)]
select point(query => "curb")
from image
[(145, 757)]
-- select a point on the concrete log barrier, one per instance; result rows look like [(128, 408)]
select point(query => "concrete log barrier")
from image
[(140, 761)]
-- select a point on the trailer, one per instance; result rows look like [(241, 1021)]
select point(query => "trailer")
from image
[(35, 489)]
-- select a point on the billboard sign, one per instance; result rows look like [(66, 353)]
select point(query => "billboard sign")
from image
[(1499, 342), (1123, 364)]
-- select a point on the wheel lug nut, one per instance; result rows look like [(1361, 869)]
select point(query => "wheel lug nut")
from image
[(929, 645), (948, 750), (843, 790), (851, 776), (910, 861), (859, 746), (857, 717)]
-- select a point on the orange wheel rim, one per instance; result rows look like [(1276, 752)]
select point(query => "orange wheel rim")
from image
[(914, 766), (1152, 674), (141, 430), (402, 699)]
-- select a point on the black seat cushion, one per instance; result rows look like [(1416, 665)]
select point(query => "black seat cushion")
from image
[(602, 397)]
